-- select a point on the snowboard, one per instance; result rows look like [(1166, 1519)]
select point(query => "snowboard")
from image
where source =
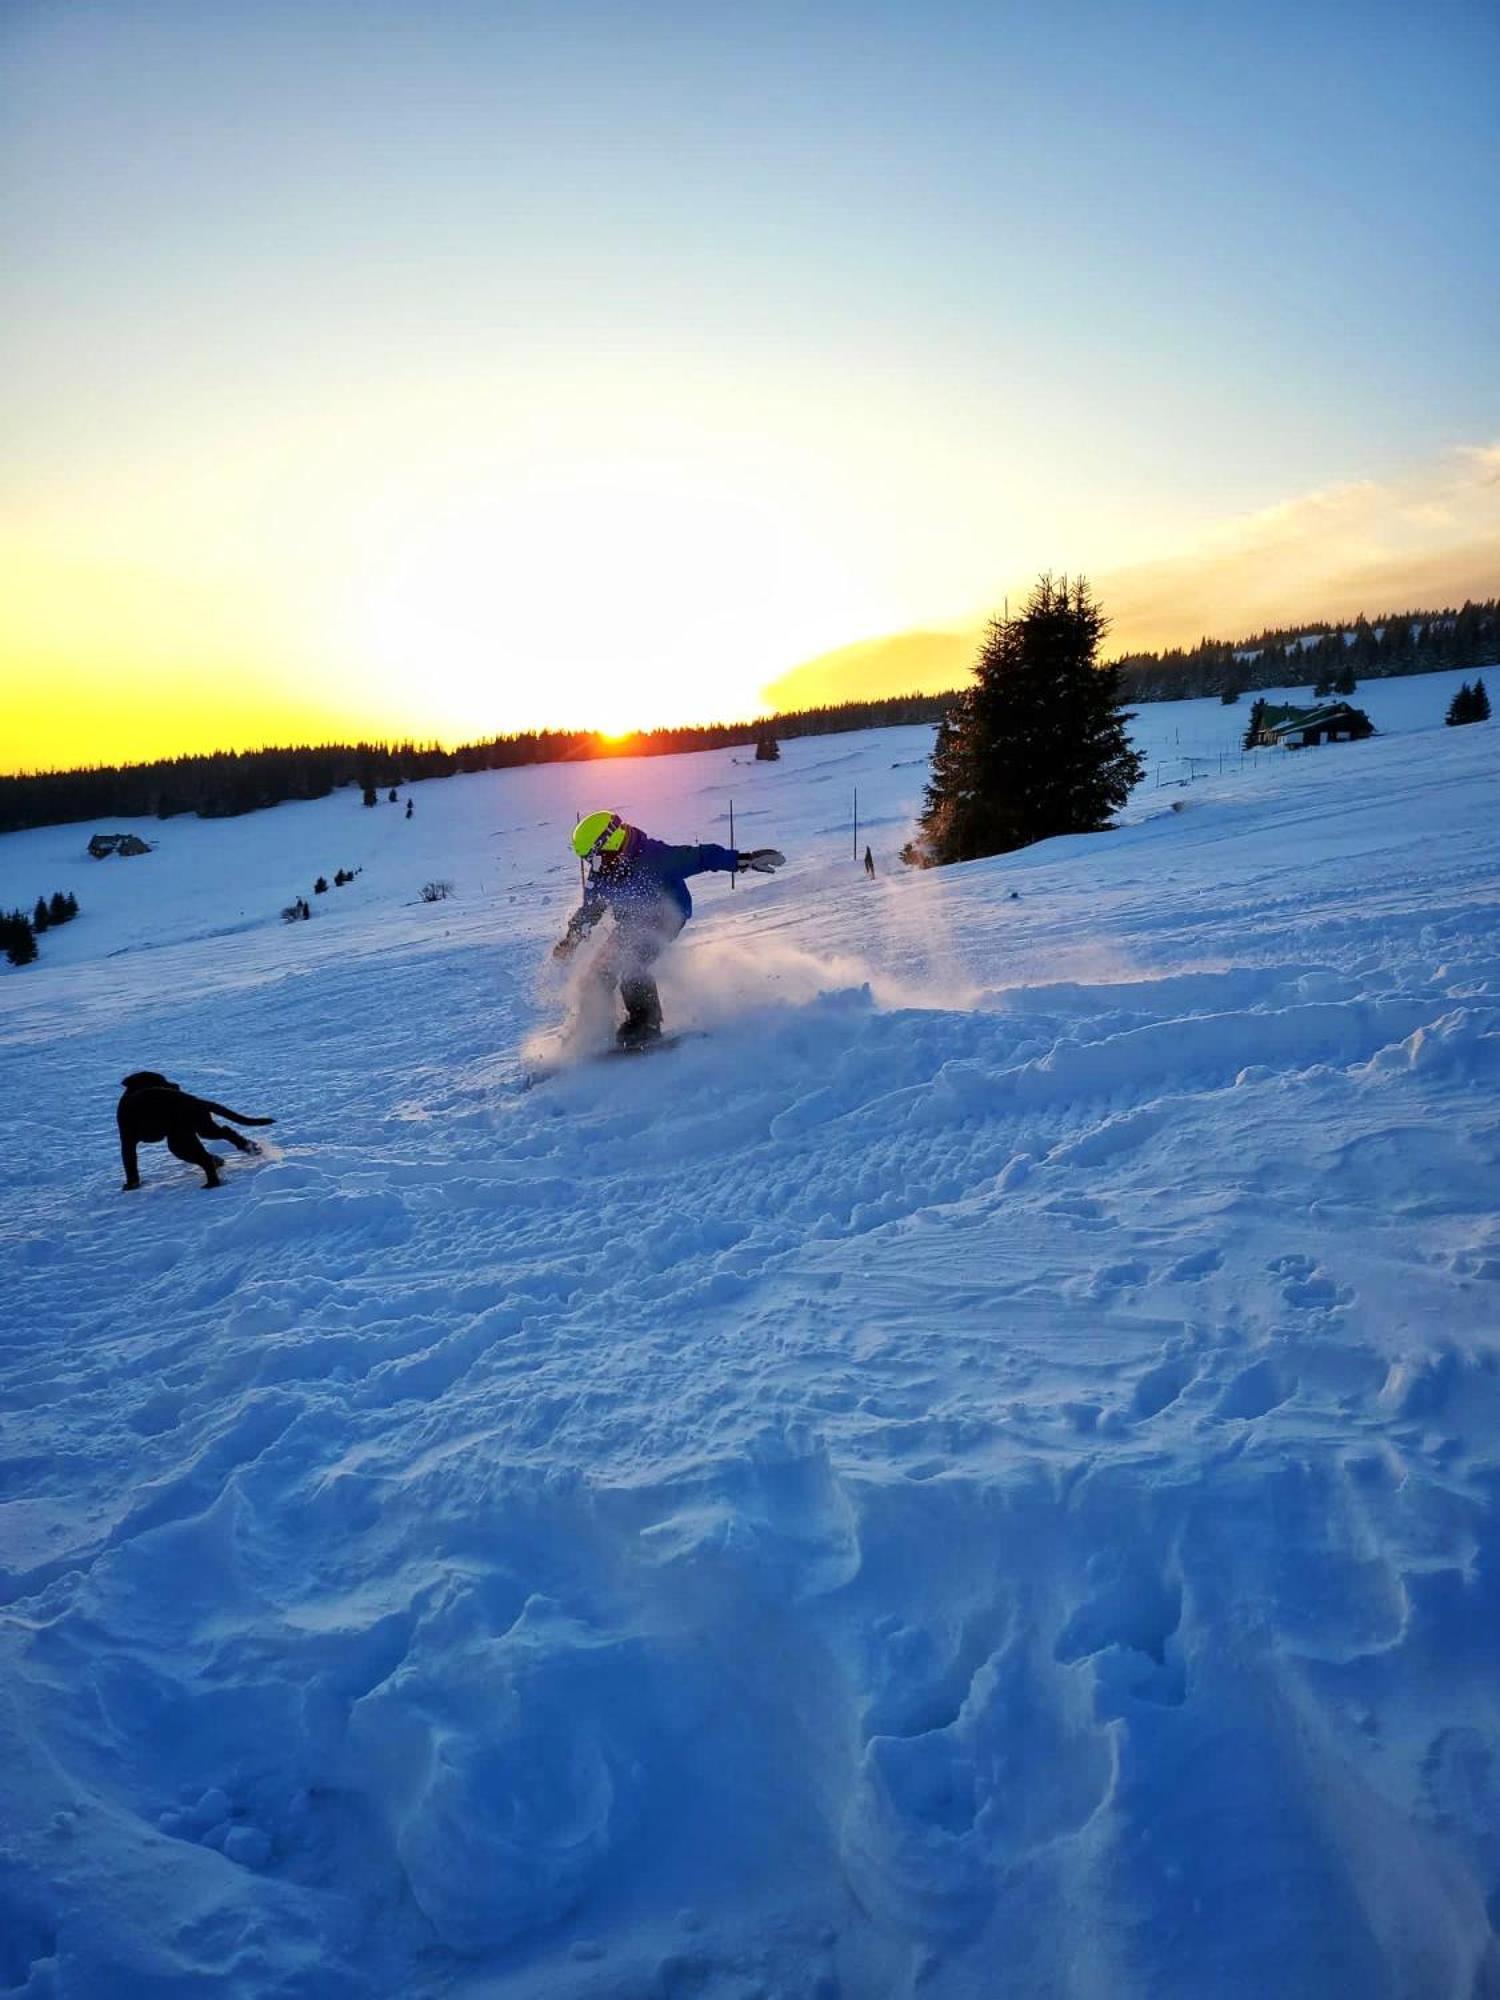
[(541, 1072), (651, 1048)]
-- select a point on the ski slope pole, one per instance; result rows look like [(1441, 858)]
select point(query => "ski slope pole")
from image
[(856, 822), (731, 838)]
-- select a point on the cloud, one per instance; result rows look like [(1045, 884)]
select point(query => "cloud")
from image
[(1430, 537)]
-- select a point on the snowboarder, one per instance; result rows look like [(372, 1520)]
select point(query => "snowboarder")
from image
[(642, 884), (869, 864)]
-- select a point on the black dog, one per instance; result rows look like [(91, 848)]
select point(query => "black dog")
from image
[(155, 1108)]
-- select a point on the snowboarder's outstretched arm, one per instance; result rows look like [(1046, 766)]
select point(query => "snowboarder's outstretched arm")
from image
[(582, 921), (708, 858), (699, 859)]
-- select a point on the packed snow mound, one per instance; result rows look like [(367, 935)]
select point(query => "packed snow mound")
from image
[(972, 1475)]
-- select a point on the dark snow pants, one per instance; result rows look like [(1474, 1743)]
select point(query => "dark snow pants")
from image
[(627, 961)]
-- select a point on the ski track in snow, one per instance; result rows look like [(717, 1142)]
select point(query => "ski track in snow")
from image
[(975, 1477)]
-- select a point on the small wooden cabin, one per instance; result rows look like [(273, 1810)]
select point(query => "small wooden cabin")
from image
[(1301, 728)]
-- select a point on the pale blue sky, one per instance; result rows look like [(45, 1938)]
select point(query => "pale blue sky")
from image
[(979, 287)]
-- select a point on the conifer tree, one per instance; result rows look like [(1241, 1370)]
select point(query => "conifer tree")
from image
[(17, 937), (1468, 635), (1461, 708), (1481, 702), (1254, 725), (39, 917), (944, 803), (1365, 652), (1037, 747), (57, 909)]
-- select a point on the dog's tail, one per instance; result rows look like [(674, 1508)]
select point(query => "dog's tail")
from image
[(238, 1116)]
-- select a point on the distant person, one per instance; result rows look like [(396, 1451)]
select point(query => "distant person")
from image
[(408, 808), (869, 864), (642, 884)]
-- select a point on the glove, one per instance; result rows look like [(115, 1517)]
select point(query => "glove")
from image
[(764, 860), (580, 924)]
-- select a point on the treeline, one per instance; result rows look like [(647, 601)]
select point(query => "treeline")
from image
[(225, 783), (1397, 642), (229, 782)]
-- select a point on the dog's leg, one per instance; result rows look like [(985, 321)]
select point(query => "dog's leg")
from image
[(187, 1146), (127, 1154), (212, 1131)]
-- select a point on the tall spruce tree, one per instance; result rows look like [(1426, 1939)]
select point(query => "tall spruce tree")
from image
[(1037, 746), (945, 803)]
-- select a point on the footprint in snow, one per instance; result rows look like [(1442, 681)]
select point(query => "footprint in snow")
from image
[(1306, 1287), (1253, 1391), (1160, 1386), (1197, 1264), (1480, 1260), (1117, 1277), (938, 1818), (1127, 1628)]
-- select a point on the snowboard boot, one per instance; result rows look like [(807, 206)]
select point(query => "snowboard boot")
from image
[(642, 1023)]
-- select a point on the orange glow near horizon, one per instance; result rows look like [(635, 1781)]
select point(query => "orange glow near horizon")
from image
[(607, 594)]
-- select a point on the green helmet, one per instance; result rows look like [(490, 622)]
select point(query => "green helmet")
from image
[(599, 833)]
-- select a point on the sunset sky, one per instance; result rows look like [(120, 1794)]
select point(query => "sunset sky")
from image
[(452, 368)]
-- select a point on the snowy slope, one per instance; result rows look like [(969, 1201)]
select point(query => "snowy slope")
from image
[(978, 1477)]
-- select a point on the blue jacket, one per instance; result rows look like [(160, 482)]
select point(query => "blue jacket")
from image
[(645, 886)]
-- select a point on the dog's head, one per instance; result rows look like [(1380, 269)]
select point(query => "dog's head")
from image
[(148, 1079)]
